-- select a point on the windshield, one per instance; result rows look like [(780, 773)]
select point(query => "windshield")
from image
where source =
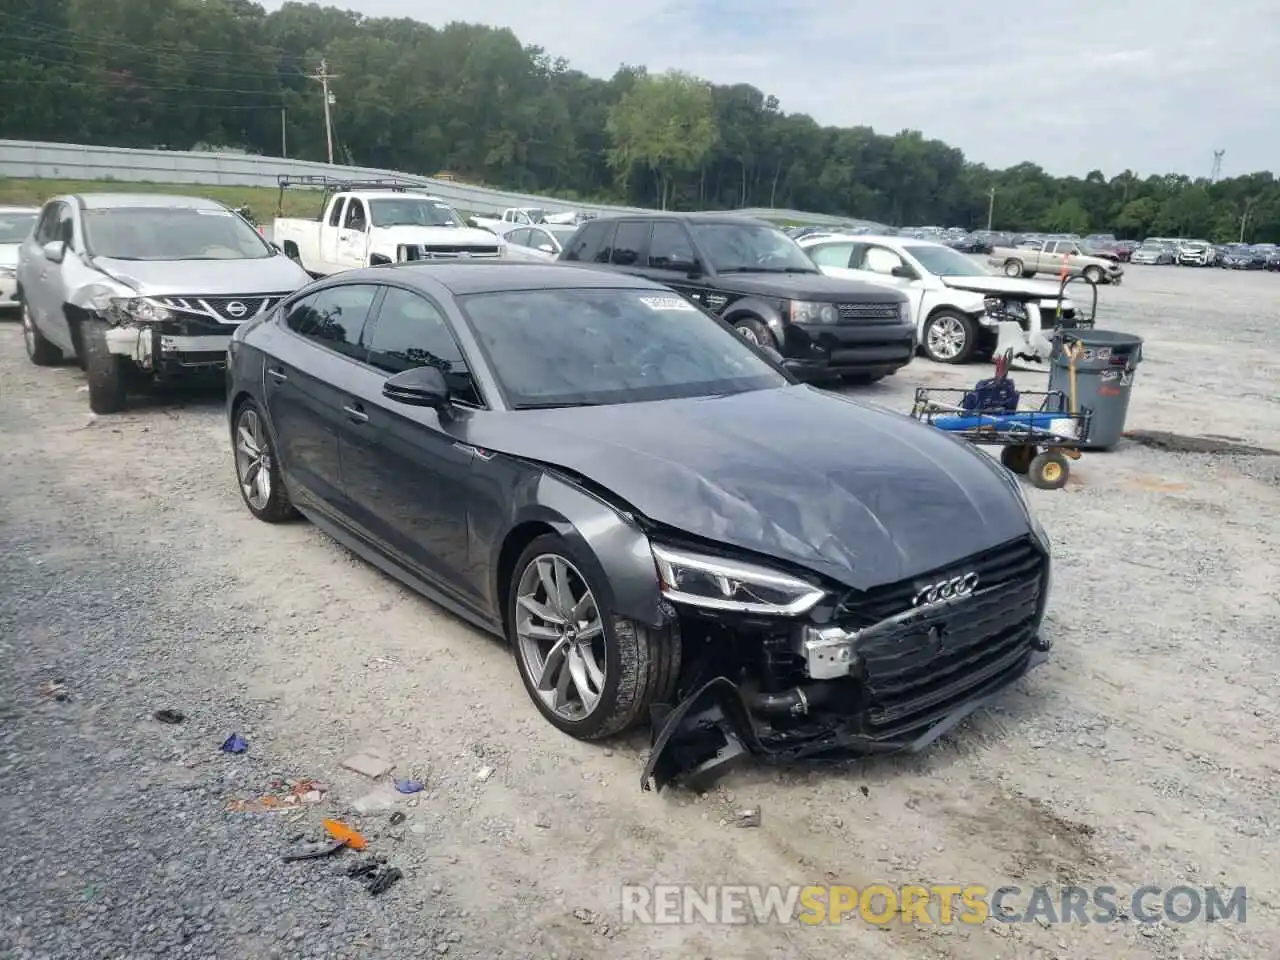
[(750, 248), (586, 347), (1154, 245), (171, 233), (412, 212), (945, 262), (15, 226)]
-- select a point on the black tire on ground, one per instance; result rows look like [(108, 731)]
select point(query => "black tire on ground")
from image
[(40, 351), (755, 331), (1017, 458), (278, 507), (108, 373), (1013, 268), (1049, 470), (1094, 274), (642, 663), (955, 321)]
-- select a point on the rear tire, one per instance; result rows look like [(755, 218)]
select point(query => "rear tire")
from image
[(40, 351), (108, 373), (1013, 268), (1017, 459), (631, 666)]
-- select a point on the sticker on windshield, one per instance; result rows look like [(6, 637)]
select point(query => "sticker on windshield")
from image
[(668, 303)]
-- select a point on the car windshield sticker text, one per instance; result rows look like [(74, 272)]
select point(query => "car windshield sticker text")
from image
[(668, 303)]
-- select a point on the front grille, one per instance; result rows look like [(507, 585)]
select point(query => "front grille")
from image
[(223, 309), (981, 641), (460, 251), (869, 312)]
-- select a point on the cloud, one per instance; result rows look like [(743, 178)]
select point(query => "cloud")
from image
[(1149, 85)]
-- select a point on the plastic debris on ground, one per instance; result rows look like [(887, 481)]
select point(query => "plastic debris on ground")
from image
[(750, 817), (484, 774), (300, 793), (55, 690), (409, 786), (316, 851), (340, 831), (169, 716), (234, 744)]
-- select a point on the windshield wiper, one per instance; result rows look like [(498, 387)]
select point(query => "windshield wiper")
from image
[(557, 404)]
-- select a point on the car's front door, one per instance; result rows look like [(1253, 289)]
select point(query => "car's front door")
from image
[(353, 239), (880, 264), (673, 260), (308, 378), (404, 470), (331, 236)]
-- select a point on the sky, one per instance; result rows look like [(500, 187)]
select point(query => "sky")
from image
[(1155, 86)]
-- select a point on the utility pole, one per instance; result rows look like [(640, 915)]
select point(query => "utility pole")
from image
[(991, 207), (323, 76), (284, 134), (1244, 217), (1217, 166)]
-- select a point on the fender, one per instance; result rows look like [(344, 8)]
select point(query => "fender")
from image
[(767, 310), (610, 543)]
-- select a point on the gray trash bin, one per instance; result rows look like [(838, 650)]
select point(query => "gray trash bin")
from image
[(1104, 378)]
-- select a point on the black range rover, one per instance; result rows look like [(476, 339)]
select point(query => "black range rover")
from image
[(755, 277)]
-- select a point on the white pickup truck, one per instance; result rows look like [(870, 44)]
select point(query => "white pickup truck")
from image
[(365, 225), (513, 217)]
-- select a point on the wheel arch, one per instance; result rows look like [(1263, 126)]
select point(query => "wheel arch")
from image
[(612, 546), (751, 308)]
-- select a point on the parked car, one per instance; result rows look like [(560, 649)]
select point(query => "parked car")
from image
[(758, 279), (16, 224), (143, 287), (1050, 257), (645, 505), (537, 243), (1195, 253), (1124, 249), (1241, 256), (1155, 252), (956, 304), (369, 223)]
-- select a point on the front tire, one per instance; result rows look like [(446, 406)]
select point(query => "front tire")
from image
[(950, 337), (257, 468), (1049, 470), (1093, 274), (108, 374), (754, 331), (39, 350), (590, 673), (1013, 268)]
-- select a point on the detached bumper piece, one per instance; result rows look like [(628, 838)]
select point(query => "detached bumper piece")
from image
[(895, 682)]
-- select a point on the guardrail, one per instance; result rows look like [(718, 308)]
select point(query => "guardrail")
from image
[(29, 159)]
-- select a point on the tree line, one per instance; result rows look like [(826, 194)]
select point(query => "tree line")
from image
[(475, 101)]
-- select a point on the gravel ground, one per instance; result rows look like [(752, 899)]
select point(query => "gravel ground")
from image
[(1144, 753)]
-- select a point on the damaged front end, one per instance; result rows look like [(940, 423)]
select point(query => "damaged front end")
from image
[(781, 667), (157, 338)]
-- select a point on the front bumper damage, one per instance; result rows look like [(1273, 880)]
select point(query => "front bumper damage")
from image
[(838, 689)]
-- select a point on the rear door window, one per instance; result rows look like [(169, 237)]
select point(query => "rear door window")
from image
[(591, 242), (631, 243)]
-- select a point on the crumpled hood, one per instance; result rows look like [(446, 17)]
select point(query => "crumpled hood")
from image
[(174, 278), (807, 286), (383, 239), (856, 493), (1005, 286)]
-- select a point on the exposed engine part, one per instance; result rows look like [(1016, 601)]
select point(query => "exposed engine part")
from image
[(796, 702)]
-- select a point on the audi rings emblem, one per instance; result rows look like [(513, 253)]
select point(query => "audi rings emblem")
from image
[(236, 309), (946, 590)]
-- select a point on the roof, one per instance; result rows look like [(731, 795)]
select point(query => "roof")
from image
[(721, 218), (872, 238), (112, 201), (500, 276)]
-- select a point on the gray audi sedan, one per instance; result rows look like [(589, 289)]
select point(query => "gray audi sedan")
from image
[(662, 522)]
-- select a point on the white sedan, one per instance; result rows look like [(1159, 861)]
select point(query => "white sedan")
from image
[(15, 224), (962, 311), (541, 242)]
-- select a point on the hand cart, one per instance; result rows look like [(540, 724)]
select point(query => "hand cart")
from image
[(1039, 431)]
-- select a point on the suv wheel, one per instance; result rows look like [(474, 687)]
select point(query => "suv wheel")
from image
[(1093, 274), (754, 331), (1013, 268), (41, 352)]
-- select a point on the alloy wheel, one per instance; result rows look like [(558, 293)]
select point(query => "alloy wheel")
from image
[(946, 338), (561, 638), (749, 335), (253, 459)]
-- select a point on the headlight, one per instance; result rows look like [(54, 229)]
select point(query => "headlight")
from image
[(136, 310), (718, 584), (904, 311), (804, 311)]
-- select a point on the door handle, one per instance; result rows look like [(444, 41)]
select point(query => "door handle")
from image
[(277, 374), (45, 275), (356, 414)]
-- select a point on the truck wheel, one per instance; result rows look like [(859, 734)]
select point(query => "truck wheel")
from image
[(1013, 268), (949, 337), (753, 331), (41, 352), (590, 673), (1093, 274), (107, 372)]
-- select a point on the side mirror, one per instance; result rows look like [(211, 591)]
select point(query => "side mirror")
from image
[(419, 387), (55, 251), (903, 272)]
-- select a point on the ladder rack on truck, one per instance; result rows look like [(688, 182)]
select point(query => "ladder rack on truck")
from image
[(331, 185)]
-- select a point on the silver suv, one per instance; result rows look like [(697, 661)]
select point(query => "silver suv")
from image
[(143, 287)]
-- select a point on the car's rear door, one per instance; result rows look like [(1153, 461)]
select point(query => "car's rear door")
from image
[(41, 278), (404, 470), (310, 371)]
